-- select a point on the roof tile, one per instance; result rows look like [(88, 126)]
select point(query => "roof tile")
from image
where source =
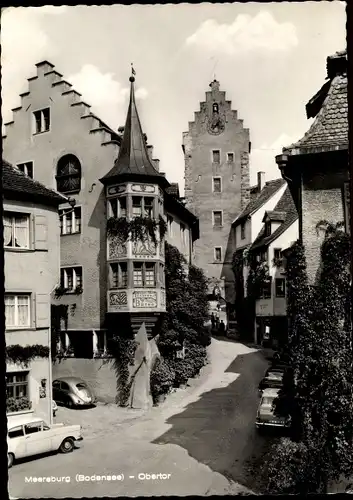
[(285, 205), (330, 128), (270, 188), (16, 183)]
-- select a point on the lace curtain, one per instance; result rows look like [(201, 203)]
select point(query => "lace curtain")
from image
[(17, 310), (16, 231)]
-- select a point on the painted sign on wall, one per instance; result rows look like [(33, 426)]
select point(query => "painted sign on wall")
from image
[(146, 300)]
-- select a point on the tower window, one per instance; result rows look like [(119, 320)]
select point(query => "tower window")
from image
[(218, 254), (41, 120), (217, 218), (216, 156), (215, 107), (26, 168), (68, 174), (217, 184)]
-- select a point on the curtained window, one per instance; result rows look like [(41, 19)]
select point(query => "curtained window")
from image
[(17, 310), (16, 230)]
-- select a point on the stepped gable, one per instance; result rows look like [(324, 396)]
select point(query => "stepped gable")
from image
[(329, 107), (73, 99), (133, 160), (284, 206), (16, 184)]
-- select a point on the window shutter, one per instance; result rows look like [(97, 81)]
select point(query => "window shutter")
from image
[(41, 232), (42, 310)]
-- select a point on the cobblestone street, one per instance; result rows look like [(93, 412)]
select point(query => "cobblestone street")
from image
[(203, 436)]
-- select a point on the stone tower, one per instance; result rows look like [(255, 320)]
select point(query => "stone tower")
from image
[(217, 183)]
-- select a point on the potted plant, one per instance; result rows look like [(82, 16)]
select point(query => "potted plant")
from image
[(17, 404)]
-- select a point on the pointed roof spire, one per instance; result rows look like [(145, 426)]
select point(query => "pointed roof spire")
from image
[(133, 159)]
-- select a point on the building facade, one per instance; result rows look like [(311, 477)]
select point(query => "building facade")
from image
[(280, 230), (55, 138), (216, 152), (32, 268), (316, 167)]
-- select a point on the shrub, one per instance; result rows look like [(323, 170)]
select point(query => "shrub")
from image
[(17, 404), (289, 469), (161, 379)]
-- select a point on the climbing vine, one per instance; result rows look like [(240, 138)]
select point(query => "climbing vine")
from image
[(25, 354), (136, 229), (318, 389), (123, 351)]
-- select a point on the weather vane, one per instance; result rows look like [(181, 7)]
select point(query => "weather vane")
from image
[(133, 72)]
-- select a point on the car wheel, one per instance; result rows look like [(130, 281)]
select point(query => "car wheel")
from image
[(69, 403), (67, 445), (10, 460)]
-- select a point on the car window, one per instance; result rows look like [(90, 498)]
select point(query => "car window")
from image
[(16, 432), (33, 427), (56, 384), (81, 385), (65, 386), (267, 401)]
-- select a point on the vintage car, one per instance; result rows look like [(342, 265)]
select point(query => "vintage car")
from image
[(272, 380), (72, 391), (276, 369), (265, 414), (32, 436)]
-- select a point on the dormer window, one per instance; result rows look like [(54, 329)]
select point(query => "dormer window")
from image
[(215, 108), (268, 228)]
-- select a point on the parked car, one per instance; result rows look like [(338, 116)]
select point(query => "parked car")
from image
[(276, 369), (265, 414), (72, 391), (32, 436), (55, 407), (273, 380)]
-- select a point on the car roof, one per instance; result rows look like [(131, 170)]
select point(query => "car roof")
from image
[(270, 392), (22, 420), (69, 379)]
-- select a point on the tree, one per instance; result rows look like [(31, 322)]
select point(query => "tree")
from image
[(317, 392), (186, 304)]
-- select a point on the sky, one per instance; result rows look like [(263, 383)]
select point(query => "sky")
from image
[(270, 58)]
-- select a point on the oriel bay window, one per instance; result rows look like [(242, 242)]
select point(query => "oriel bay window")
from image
[(144, 274), (142, 206), (16, 230), (71, 278), (119, 275), (17, 310), (117, 207)]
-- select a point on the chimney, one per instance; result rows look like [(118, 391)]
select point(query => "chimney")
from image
[(150, 152), (336, 64), (260, 180)]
